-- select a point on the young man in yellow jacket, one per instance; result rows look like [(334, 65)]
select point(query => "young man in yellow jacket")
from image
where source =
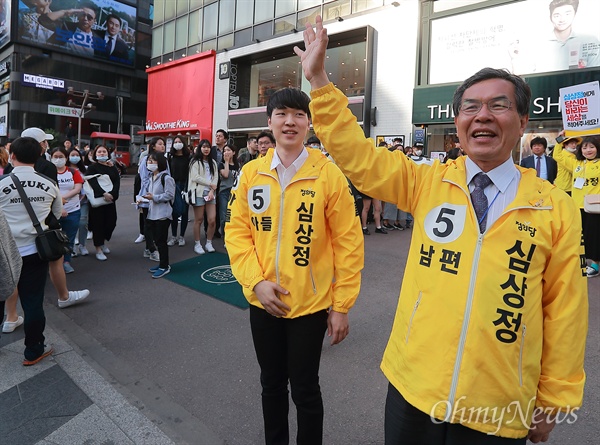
[(488, 342), (296, 247)]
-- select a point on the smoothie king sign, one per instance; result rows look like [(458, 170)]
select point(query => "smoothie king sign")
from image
[(581, 106)]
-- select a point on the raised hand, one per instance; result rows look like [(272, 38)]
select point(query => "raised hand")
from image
[(313, 56)]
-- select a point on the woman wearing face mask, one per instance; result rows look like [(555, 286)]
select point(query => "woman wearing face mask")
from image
[(228, 171), (157, 145), (76, 162), (204, 177), (179, 162), (103, 219), (585, 168), (69, 183), (160, 195)]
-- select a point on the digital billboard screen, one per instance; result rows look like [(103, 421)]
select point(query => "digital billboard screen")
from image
[(98, 29), (4, 22)]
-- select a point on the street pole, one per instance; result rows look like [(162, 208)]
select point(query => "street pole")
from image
[(84, 108)]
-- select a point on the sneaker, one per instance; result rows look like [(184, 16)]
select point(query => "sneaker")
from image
[(366, 231), (75, 296), (48, 349), (76, 240), (380, 230), (161, 272), (171, 241), (90, 235), (181, 241), (198, 249), (153, 269), (154, 256), (105, 249), (10, 326), (83, 251), (100, 256), (140, 239), (209, 247), (398, 227), (68, 268), (146, 253), (75, 252), (388, 226), (591, 272)]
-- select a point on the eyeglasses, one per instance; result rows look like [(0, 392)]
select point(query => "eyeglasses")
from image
[(89, 17), (495, 106), (269, 143)]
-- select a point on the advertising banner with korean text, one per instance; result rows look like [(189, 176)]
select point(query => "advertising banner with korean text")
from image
[(580, 106), (98, 29)]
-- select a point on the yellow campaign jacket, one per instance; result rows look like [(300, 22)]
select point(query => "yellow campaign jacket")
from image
[(564, 175), (588, 173), (307, 238), (488, 326)]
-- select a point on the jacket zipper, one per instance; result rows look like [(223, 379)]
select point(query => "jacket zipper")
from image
[(521, 356), (312, 279), (413, 316), (463, 332)]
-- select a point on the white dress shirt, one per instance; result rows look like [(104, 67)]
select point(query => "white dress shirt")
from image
[(285, 175)]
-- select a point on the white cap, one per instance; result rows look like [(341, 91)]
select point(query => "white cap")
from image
[(37, 133)]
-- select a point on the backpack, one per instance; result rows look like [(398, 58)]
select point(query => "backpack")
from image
[(177, 203)]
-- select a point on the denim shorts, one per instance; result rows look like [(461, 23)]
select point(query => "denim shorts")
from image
[(200, 202)]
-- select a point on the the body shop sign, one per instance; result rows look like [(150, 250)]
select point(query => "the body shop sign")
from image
[(47, 83)]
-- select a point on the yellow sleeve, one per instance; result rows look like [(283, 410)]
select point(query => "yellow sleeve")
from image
[(347, 241), (240, 242), (565, 312), (379, 173), (563, 159)]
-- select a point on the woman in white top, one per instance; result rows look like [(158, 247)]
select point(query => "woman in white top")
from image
[(203, 180)]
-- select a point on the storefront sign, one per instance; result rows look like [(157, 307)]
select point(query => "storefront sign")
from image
[(47, 83), (4, 67), (58, 110), (580, 106), (224, 69), (4, 119), (174, 125), (433, 104)]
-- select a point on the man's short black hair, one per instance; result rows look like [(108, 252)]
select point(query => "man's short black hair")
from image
[(558, 3), (26, 150), (113, 16), (522, 90), (251, 138), (89, 5), (225, 134), (268, 134), (539, 141), (289, 98)]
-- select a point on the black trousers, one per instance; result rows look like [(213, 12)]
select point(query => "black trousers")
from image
[(290, 350), (102, 222), (160, 232), (406, 425), (31, 293)]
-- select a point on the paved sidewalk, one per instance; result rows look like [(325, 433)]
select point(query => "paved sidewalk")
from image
[(63, 400)]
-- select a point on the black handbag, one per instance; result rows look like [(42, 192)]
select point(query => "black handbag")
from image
[(51, 244)]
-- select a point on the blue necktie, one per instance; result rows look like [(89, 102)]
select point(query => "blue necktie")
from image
[(109, 45), (480, 201)]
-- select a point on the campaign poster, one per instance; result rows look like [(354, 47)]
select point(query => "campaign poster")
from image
[(4, 22), (580, 105), (524, 37), (98, 29)]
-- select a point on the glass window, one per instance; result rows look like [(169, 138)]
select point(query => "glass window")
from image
[(169, 9), (304, 4), (265, 11), (270, 76), (345, 66), (308, 16), (263, 31), (244, 15), (182, 7), (225, 42), (195, 49), (195, 4), (195, 28), (159, 15), (157, 41), (211, 44), (243, 37), (181, 32), (363, 5), (333, 10), (284, 7), (210, 21), (285, 24), (169, 37), (226, 16)]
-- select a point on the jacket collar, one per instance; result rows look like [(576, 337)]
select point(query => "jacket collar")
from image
[(311, 167)]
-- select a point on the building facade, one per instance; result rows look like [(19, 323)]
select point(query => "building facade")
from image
[(50, 55)]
